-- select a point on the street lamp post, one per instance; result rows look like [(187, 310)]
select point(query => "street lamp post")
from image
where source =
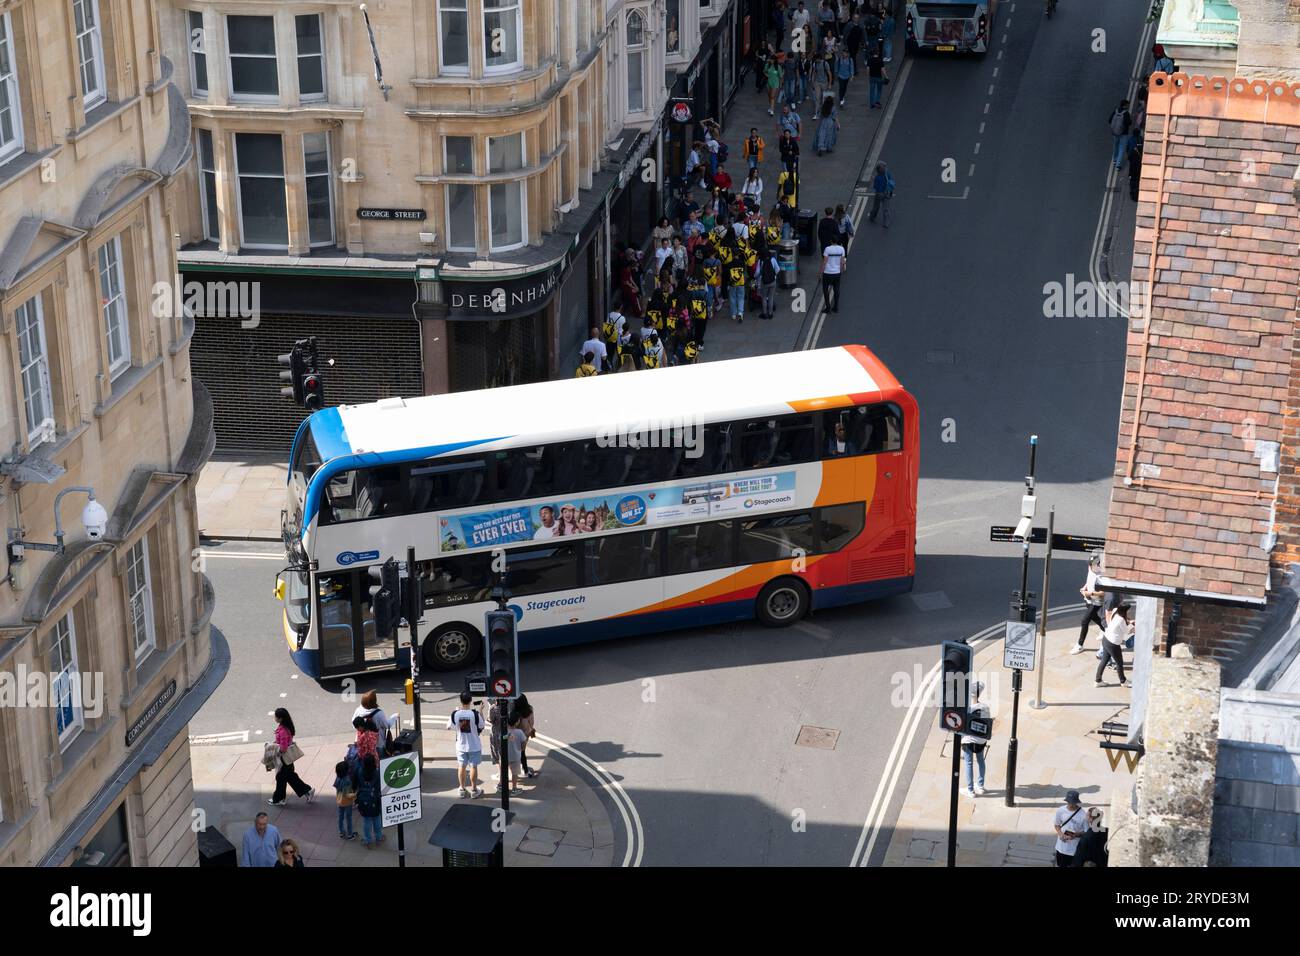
[(1024, 612)]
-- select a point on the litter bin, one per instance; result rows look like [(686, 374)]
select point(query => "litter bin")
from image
[(467, 836), (787, 257), (215, 849), (806, 227)]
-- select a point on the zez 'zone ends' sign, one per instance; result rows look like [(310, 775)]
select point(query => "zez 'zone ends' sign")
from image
[(400, 774)]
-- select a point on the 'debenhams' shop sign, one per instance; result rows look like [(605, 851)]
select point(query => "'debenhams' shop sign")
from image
[(505, 299)]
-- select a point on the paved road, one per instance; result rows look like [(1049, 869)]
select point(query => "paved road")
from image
[(700, 726)]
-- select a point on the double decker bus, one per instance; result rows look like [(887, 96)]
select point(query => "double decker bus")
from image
[(621, 504), (948, 27)]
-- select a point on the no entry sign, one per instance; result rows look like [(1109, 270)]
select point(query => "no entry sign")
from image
[(502, 687)]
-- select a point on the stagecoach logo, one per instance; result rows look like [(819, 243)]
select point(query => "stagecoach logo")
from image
[(346, 558), (764, 502)]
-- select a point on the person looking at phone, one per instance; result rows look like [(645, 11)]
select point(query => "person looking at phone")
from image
[(1070, 824)]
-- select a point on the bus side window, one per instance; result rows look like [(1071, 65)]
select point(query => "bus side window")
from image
[(756, 446), (885, 425), (795, 440)]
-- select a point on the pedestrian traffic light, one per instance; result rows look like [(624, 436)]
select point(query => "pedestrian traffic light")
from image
[(502, 654), (412, 596), (295, 372), (957, 660), (313, 392), (385, 597)]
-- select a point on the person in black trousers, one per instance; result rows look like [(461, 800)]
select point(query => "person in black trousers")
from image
[(1092, 597), (285, 775), (1112, 645)]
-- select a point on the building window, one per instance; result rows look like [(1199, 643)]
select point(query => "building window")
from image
[(90, 51), (34, 368), (253, 70), (507, 201), (458, 160), (673, 20), (67, 681), (453, 36), (208, 186), (112, 297), (502, 26), (320, 201), (311, 57), (11, 121), (263, 215), (635, 62), (198, 53), (139, 599)]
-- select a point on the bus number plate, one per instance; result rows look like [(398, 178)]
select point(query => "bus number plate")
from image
[(948, 48)]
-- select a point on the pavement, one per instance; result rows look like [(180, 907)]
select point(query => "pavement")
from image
[(1057, 750), (559, 819), (240, 498)]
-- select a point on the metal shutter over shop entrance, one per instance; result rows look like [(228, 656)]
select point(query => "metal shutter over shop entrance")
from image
[(373, 359)]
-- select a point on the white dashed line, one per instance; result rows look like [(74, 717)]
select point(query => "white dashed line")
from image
[(981, 129), (968, 176), (986, 109), (990, 89), (995, 73), (977, 149)]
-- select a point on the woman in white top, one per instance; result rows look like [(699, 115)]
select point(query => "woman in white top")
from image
[(752, 189), (973, 747), (1112, 645), (370, 708)]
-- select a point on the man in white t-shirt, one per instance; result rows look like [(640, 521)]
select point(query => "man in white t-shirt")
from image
[(799, 19), (597, 347), (1092, 598), (547, 515), (467, 723), (833, 259), (1070, 823)]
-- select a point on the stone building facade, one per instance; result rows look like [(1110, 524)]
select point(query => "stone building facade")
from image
[(105, 649)]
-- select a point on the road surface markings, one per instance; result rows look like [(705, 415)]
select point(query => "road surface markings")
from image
[(233, 737), (821, 633), (903, 744), (886, 121), (1108, 196), (981, 129), (242, 554), (986, 109), (990, 89), (970, 172), (604, 780), (977, 149), (964, 193)]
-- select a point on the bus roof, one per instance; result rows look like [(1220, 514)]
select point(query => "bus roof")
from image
[(399, 429)]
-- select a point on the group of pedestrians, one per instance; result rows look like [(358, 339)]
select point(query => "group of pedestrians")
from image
[(1112, 616), (1128, 122), (468, 723)]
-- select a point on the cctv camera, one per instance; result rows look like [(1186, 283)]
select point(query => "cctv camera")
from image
[(95, 519)]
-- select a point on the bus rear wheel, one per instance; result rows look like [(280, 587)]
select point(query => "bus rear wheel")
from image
[(450, 647), (782, 602)]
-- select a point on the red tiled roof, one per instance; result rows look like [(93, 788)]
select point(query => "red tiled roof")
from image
[(1208, 381)]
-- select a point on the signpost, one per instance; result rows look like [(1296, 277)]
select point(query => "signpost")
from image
[(399, 796), (1018, 646)]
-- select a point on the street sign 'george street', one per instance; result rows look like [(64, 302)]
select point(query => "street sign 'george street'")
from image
[(1018, 646)]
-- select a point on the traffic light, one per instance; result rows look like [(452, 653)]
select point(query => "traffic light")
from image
[(385, 597), (295, 373), (313, 392), (502, 654), (412, 596), (957, 659)]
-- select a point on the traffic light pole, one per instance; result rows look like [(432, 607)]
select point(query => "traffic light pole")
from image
[(952, 799), (1037, 702), (413, 617), (503, 730), (1024, 613)]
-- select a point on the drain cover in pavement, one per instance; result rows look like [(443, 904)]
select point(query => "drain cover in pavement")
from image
[(819, 738)]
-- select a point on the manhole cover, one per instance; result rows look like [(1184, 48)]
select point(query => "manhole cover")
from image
[(941, 357), (819, 738)]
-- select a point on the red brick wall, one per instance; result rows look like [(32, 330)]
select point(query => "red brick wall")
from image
[(1212, 630), (1287, 519)]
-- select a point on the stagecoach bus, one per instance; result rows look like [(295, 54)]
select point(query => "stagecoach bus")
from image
[(948, 27), (622, 504)]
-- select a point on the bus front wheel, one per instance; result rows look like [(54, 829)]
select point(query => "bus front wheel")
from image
[(450, 647), (782, 602)]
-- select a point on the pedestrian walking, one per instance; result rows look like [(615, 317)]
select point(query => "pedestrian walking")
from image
[(1092, 844), (652, 350), (736, 288), (828, 127), (790, 80), (887, 28), (827, 23), (772, 74), (1070, 824), (587, 367), (369, 803), (261, 843), (290, 857), (1162, 62), (877, 75), (828, 229), (752, 149), (844, 71), (369, 707), (790, 121), (833, 263), (789, 147), (882, 195), (467, 723), (367, 738), (1092, 599), (516, 738), (1112, 645), (345, 798), (846, 225), (289, 753), (972, 748), (800, 17), (752, 189), (769, 270), (595, 344), (820, 75), (854, 37), (1121, 122)]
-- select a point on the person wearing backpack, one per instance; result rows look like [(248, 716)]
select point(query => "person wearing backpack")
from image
[(1162, 61), (972, 748), (369, 707), (1121, 123), (882, 194), (467, 723), (345, 797), (369, 804), (769, 269)]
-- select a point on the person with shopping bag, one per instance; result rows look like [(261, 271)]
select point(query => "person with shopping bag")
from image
[(289, 753)]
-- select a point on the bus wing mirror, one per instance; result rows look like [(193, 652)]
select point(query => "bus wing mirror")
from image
[(279, 588)]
